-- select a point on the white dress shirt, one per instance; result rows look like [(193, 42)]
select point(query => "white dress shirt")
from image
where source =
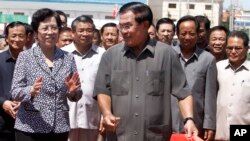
[(84, 113), (233, 101)]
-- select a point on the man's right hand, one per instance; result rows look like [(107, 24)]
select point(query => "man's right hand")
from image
[(101, 127), (10, 107), (110, 122)]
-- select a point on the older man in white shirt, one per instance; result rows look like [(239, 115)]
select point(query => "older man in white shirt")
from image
[(233, 102), (84, 114)]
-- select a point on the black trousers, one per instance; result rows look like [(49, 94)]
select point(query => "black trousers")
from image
[(7, 136), (23, 136)]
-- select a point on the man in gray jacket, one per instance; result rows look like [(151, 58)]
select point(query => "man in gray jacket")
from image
[(135, 80), (201, 73)]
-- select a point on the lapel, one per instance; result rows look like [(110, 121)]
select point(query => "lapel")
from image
[(57, 62)]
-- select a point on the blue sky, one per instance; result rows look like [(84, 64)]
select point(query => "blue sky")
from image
[(244, 3)]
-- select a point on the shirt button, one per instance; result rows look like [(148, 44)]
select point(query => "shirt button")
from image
[(233, 84), (232, 94), (136, 96), (82, 69), (137, 78), (135, 132), (136, 114)]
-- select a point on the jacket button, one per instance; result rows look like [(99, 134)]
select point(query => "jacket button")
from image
[(137, 78), (136, 114)]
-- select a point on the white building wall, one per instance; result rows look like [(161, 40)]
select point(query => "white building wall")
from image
[(72, 9), (181, 9), (157, 8), (242, 20), (160, 9)]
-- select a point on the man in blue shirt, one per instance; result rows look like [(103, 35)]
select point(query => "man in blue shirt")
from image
[(15, 36)]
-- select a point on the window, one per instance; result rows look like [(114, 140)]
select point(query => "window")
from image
[(109, 17), (18, 13), (191, 6), (208, 7), (171, 5)]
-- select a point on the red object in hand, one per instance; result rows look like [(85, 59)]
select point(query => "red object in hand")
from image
[(180, 137)]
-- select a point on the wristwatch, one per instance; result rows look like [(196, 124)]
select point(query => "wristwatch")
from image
[(186, 119)]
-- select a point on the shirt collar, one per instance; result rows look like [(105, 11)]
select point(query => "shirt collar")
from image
[(8, 56), (150, 47), (93, 49), (196, 53), (245, 65)]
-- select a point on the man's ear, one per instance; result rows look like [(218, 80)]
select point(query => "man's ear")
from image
[(157, 34), (101, 37), (6, 40), (35, 35), (146, 24)]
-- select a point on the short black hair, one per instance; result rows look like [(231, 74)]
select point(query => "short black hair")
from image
[(41, 14), (142, 11), (165, 21), (218, 28), (65, 29), (152, 24), (28, 29), (184, 19), (98, 36), (82, 18), (240, 34), (61, 13), (109, 25), (13, 24), (200, 19)]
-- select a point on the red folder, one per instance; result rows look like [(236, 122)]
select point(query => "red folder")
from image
[(183, 137)]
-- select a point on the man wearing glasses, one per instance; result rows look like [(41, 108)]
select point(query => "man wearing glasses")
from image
[(135, 80), (233, 102)]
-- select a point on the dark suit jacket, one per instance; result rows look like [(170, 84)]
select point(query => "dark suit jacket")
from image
[(7, 64)]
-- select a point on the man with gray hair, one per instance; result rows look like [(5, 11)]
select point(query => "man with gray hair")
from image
[(84, 115)]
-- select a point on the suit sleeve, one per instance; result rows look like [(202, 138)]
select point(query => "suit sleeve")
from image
[(103, 77), (78, 94), (180, 88), (210, 97), (20, 90)]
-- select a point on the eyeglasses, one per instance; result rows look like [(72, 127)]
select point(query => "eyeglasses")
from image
[(47, 28), (126, 27), (87, 30), (236, 48)]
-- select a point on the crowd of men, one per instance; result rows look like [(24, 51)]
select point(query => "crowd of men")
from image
[(138, 82)]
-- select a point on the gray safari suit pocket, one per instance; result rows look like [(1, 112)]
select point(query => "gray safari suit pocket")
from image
[(120, 82), (154, 83)]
